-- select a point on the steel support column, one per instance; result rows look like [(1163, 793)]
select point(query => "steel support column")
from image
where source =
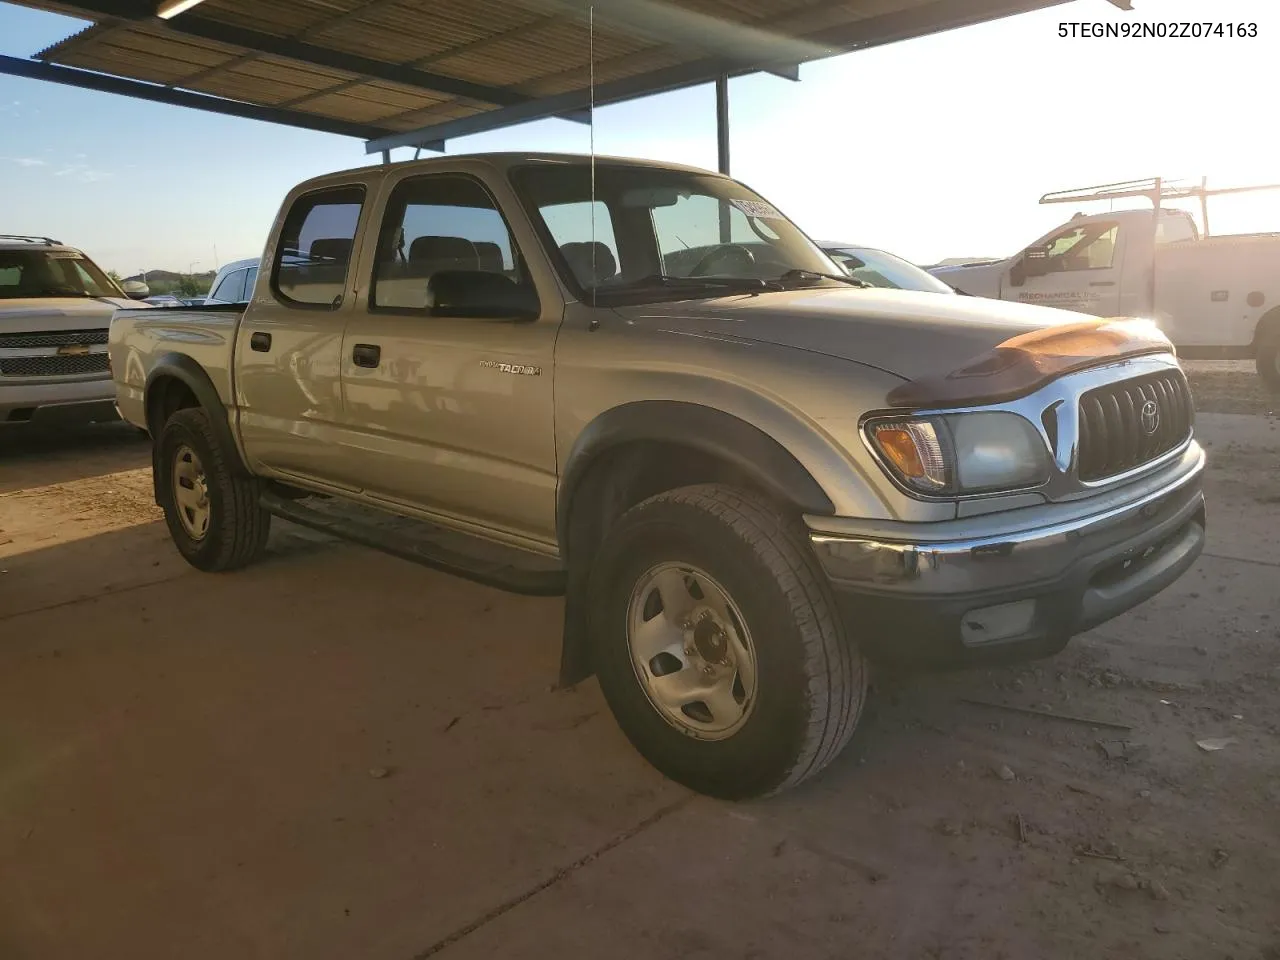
[(722, 122), (722, 147)]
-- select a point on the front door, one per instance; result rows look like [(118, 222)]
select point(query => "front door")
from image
[(288, 351), (451, 413), (1078, 268)]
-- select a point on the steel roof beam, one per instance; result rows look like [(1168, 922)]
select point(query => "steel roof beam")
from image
[(577, 117), (106, 83), (293, 49)]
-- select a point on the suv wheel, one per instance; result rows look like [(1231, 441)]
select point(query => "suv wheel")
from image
[(212, 510), (717, 644)]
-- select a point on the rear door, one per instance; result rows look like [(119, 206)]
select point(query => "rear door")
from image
[(1077, 268), (288, 348), (445, 413)]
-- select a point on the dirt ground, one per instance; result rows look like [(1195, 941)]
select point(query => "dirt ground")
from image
[(1230, 387), (336, 754)]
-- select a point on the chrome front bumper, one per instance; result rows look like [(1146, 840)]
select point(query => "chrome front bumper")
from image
[(57, 400), (1036, 574)]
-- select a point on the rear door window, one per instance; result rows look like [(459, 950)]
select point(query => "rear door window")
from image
[(317, 243)]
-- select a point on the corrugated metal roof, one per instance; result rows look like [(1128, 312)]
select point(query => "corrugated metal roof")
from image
[(397, 65)]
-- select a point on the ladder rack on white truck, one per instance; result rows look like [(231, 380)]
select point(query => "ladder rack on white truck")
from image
[(1155, 189), (1214, 296)]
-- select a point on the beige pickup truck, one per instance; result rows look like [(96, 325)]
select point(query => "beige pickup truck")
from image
[(640, 386)]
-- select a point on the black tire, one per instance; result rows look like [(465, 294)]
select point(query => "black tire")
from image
[(811, 677), (1268, 359), (238, 527)]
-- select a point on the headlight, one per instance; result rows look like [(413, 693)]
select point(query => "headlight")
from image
[(963, 452)]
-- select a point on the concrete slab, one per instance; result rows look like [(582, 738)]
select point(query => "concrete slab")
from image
[(192, 766), (188, 763)]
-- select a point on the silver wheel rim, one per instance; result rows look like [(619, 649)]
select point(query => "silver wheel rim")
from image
[(190, 493), (691, 651)]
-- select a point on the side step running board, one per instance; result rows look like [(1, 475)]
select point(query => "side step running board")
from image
[(540, 578)]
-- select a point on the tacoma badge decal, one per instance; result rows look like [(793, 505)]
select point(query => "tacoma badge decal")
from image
[(518, 369)]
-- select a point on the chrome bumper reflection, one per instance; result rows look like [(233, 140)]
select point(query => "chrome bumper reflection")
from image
[(1016, 559)]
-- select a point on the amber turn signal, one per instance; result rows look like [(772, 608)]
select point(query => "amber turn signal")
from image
[(900, 448), (913, 449)]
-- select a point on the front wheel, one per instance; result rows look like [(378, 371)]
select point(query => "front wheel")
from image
[(211, 509), (718, 647)]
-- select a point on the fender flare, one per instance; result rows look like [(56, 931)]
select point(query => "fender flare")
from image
[(711, 431), (183, 368)]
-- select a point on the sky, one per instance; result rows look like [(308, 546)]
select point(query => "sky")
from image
[(931, 148)]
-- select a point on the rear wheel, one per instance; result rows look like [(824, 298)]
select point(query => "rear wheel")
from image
[(718, 647), (1268, 359), (211, 509)]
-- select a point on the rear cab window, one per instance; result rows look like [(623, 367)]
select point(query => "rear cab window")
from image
[(316, 245)]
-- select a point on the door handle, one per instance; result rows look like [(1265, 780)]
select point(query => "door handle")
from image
[(1102, 283), (366, 354), (260, 342)]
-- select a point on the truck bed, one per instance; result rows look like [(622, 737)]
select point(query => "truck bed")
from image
[(140, 338)]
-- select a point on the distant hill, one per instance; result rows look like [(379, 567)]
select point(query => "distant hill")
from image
[(169, 276)]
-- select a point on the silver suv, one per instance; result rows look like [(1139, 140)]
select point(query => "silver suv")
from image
[(234, 283), (55, 308)]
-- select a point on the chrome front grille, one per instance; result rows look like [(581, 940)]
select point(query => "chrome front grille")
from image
[(1127, 424), (53, 365), (56, 338)]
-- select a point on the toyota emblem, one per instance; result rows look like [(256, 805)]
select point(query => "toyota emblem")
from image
[(1150, 417)]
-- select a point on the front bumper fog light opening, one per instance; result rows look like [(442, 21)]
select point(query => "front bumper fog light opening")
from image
[(1005, 621)]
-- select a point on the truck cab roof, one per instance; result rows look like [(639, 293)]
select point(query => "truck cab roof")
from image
[(498, 160)]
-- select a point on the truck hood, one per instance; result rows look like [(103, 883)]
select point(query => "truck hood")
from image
[(59, 313), (913, 335)]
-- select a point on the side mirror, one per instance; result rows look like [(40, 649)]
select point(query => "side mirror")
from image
[(481, 295), (136, 290), (1035, 262)]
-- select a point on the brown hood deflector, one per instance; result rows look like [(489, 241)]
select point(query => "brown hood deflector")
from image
[(1022, 364)]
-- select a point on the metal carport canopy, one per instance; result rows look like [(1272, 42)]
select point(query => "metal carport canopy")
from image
[(416, 73)]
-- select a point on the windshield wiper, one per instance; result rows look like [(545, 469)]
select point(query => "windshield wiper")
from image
[(726, 283), (660, 286), (799, 274)]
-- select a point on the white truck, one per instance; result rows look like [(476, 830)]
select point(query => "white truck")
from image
[(1215, 297)]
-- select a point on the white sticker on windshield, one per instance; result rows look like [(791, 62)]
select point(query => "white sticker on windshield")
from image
[(758, 209), (63, 255)]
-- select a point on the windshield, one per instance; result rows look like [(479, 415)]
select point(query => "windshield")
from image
[(882, 269), (654, 234), (52, 273)]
